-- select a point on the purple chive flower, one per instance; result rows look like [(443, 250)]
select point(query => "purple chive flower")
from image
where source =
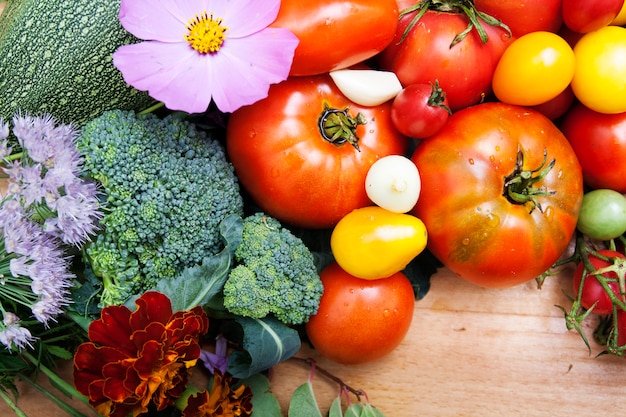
[(12, 334), (40, 276), (195, 51), (46, 182)]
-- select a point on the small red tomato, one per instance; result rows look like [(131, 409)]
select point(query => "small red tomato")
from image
[(558, 106), (588, 15), (592, 290), (420, 110), (360, 320)]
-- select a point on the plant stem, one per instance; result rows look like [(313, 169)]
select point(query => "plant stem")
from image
[(311, 362), (12, 405), (60, 403), (56, 380)]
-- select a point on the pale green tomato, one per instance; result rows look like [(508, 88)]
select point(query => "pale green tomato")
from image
[(602, 214)]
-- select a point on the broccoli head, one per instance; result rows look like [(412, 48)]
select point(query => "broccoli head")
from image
[(166, 188), (275, 273)]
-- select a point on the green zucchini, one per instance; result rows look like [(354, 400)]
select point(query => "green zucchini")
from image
[(56, 58)]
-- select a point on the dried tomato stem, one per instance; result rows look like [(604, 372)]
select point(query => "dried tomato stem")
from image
[(338, 126), (342, 385), (519, 185)]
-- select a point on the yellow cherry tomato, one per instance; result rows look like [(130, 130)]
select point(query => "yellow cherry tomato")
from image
[(535, 68), (373, 243), (600, 76)]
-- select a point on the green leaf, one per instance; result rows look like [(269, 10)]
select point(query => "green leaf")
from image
[(335, 408), (363, 410), (303, 403), (264, 403), (198, 285), (266, 342), (59, 352)]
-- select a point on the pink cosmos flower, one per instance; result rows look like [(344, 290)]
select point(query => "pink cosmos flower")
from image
[(198, 50)]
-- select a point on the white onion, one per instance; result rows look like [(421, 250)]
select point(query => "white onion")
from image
[(393, 183)]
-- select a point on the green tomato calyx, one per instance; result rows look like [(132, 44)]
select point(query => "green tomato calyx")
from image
[(466, 7), (519, 186), (338, 126)]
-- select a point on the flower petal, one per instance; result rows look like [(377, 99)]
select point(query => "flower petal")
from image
[(172, 73), (162, 20), (246, 68), (152, 307), (245, 17), (113, 329)]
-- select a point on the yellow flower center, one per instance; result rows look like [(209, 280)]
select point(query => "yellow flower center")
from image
[(206, 34)]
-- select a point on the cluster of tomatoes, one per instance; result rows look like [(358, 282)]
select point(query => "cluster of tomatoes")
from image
[(479, 129)]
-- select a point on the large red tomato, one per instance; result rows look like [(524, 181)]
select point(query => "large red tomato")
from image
[(464, 71), (359, 320), (283, 155), (336, 34), (599, 141), (498, 213), (524, 16)]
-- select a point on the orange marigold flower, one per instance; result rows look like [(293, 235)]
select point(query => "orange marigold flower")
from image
[(137, 358), (222, 401)]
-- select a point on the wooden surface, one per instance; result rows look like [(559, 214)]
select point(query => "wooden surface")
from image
[(482, 352), (470, 352)]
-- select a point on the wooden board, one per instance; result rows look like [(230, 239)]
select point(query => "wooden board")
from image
[(470, 352), (482, 352)]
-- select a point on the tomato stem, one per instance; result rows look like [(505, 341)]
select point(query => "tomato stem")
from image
[(437, 97), (338, 126), (519, 185), (466, 7), (358, 393)]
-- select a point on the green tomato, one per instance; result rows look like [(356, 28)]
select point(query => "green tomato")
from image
[(602, 214)]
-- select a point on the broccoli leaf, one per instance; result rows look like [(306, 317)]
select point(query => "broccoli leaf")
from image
[(266, 342), (197, 285)]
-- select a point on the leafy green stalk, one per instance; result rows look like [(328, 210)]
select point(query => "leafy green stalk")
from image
[(12, 405)]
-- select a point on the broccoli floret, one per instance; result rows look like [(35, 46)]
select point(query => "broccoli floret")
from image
[(166, 186), (275, 273)]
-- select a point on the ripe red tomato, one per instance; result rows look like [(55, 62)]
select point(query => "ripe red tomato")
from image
[(485, 221), (336, 34), (524, 16), (589, 15), (420, 110), (360, 320), (599, 141), (283, 158), (592, 290), (558, 106), (464, 70)]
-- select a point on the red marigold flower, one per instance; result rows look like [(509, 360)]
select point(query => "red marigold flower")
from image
[(222, 401), (135, 358)]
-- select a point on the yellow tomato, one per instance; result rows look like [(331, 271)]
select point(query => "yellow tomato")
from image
[(600, 76), (535, 68), (372, 242)]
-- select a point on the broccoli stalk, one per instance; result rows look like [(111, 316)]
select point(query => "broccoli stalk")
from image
[(275, 274), (166, 187)]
